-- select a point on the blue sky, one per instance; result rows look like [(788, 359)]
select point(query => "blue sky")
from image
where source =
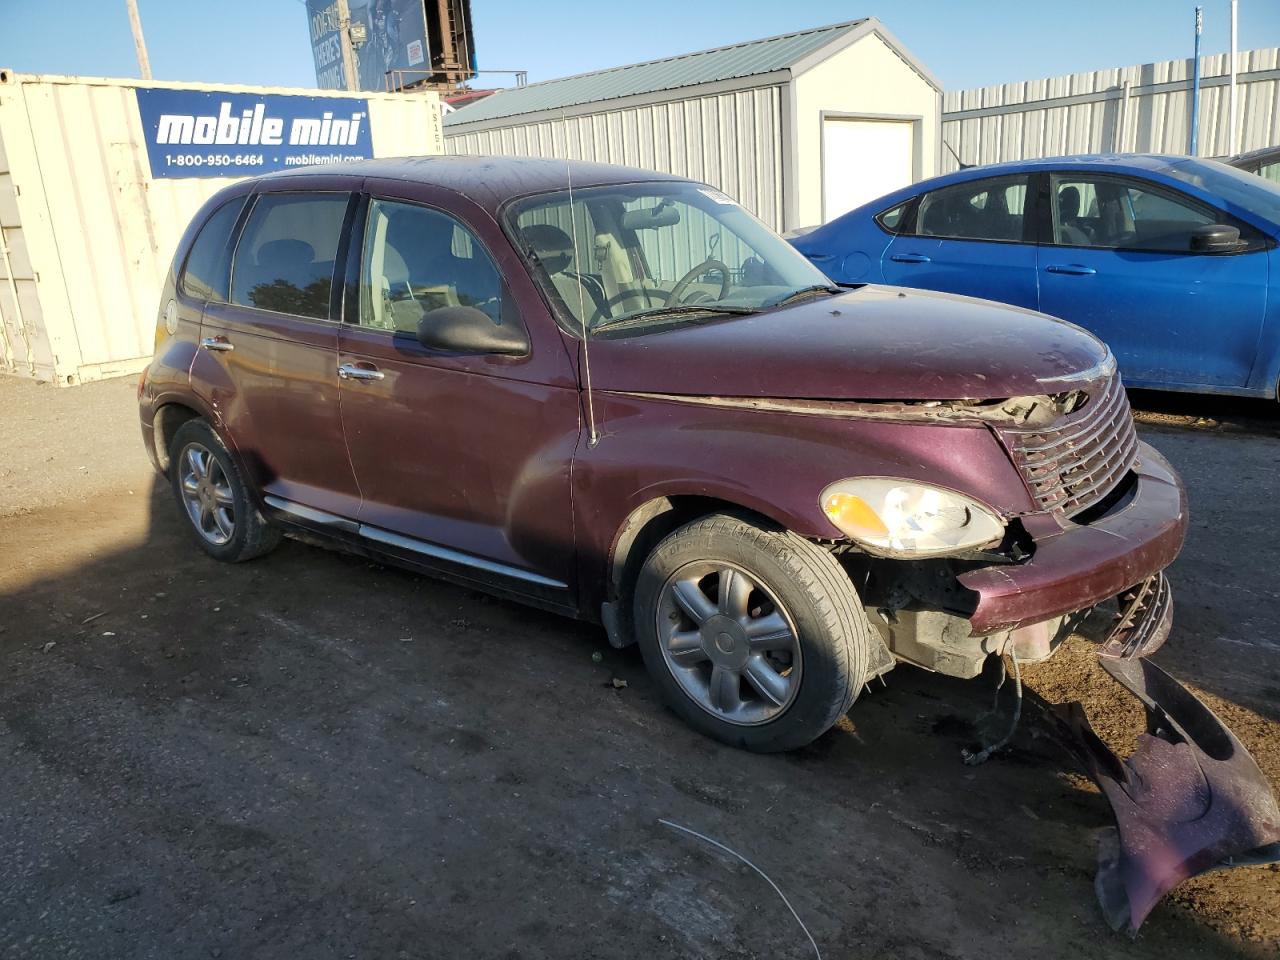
[(965, 43)]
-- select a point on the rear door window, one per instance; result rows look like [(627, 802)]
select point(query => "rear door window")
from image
[(285, 259), (977, 210), (208, 267)]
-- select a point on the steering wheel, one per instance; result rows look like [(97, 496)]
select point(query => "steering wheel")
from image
[(683, 283)]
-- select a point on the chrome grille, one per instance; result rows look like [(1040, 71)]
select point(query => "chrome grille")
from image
[(1075, 462)]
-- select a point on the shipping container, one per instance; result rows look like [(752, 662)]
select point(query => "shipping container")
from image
[(94, 195)]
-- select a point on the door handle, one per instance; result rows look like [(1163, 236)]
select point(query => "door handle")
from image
[(820, 256), (1071, 269), (909, 258), (217, 344), (349, 371)]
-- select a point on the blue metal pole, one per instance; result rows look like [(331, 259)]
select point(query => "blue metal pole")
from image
[(1195, 86)]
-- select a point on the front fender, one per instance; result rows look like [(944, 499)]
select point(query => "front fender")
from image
[(773, 463)]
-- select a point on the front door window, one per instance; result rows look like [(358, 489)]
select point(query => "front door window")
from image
[(417, 260), (1117, 215)]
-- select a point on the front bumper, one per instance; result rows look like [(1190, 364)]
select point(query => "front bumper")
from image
[(1189, 799), (1087, 564)]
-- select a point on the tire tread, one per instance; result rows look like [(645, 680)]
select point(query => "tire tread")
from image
[(818, 574)]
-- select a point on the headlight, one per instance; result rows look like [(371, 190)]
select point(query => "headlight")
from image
[(903, 518)]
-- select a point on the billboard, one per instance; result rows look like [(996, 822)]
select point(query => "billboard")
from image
[(326, 48), (395, 39), (212, 133)]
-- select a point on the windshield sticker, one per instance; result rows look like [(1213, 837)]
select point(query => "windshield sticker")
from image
[(714, 195)]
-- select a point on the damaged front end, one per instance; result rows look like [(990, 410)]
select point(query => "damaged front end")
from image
[(1190, 799)]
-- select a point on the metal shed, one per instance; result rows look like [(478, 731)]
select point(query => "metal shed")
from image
[(88, 225), (799, 128)]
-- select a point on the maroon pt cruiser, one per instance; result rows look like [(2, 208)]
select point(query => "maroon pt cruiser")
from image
[(617, 395)]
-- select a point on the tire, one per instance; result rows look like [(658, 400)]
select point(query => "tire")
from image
[(221, 513), (789, 583)]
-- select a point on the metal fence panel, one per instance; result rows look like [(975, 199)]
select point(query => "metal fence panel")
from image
[(1138, 109)]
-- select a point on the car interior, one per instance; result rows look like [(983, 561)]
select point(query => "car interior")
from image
[(418, 260), (631, 255), (976, 211), (1121, 215)]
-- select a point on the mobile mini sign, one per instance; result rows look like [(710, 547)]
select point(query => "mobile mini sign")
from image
[(203, 133)]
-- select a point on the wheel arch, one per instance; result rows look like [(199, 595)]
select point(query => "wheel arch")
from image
[(642, 530), (169, 417), (171, 412)]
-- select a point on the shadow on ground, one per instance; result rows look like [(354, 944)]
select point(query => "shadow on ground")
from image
[(311, 755)]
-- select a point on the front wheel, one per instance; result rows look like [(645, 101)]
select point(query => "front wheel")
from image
[(214, 497), (755, 636)]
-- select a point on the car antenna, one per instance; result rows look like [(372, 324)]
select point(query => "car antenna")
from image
[(592, 437), (960, 163)]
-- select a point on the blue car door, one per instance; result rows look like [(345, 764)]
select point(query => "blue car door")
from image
[(1117, 258), (975, 238)]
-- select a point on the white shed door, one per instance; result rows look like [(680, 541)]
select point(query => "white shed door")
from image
[(862, 159)]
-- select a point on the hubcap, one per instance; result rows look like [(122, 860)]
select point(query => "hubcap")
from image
[(206, 493), (728, 642)]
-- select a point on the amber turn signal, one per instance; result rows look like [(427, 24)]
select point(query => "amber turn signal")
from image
[(854, 515)]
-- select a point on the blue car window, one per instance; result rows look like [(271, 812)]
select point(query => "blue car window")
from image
[(895, 219), (975, 210), (1115, 214)]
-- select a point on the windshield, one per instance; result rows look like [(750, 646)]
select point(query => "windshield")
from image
[(637, 256), (1246, 190)]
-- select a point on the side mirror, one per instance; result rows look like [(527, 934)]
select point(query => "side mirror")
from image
[(468, 330), (1216, 238)]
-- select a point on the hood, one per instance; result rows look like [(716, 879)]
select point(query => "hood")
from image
[(873, 343)]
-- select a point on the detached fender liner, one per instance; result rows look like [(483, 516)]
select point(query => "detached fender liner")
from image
[(1190, 799)]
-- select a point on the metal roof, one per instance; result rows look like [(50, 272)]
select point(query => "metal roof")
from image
[(706, 66)]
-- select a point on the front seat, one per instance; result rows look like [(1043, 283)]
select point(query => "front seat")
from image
[(553, 249), (1069, 217)]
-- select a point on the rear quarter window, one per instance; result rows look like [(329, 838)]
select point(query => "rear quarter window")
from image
[(897, 219), (207, 272)]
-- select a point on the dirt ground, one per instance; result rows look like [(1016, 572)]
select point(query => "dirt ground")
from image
[(312, 756)]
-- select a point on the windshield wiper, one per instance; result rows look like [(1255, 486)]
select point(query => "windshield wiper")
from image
[(804, 291), (679, 310)]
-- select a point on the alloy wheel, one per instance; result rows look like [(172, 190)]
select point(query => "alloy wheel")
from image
[(206, 493), (729, 643)]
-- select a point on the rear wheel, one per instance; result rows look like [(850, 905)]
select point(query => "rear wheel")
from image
[(214, 498), (755, 636)]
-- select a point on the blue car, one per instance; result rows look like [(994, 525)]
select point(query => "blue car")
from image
[(1173, 261)]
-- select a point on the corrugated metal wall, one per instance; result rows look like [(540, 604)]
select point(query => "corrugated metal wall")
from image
[(1139, 109), (88, 233), (700, 138), (21, 341)]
